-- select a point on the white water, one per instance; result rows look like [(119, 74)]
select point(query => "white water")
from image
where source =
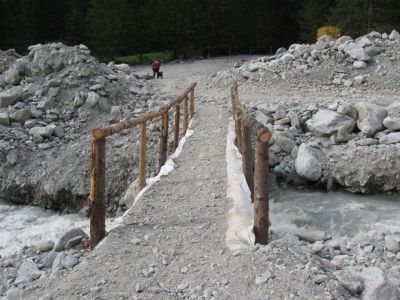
[(338, 213), (26, 225)]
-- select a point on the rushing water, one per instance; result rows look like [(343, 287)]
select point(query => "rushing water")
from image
[(26, 225), (337, 213)]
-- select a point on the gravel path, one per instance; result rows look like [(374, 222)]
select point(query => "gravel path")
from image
[(172, 244)]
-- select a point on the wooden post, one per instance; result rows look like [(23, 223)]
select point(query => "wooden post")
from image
[(192, 103), (142, 156), (261, 201), (163, 142), (247, 157), (176, 124), (97, 203), (185, 114)]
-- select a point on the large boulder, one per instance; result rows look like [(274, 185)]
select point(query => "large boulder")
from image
[(356, 52), (370, 117), (10, 96), (377, 285), (328, 122), (392, 121), (308, 163)]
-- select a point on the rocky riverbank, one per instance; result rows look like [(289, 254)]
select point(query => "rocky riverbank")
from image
[(337, 120), (50, 100)]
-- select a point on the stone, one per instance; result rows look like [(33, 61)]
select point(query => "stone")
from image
[(348, 278), (344, 39), (327, 122), (20, 116), (312, 236), (377, 285), (373, 50), (391, 138), (359, 64), (4, 119), (115, 111), (92, 99), (73, 242), (281, 50), (294, 119), (340, 261), (12, 75), (27, 272), (10, 96), (263, 278), (308, 163), (392, 243), (78, 101), (45, 104), (284, 143), (104, 105), (364, 42), (57, 261), (73, 233), (358, 80), (49, 259), (367, 142), (394, 35), (392, 121), (356, 52), (253, 67), (69, 261), (370, 118), (30, 123), (287, 57), (44, 245), (42, 131), (14, 294)]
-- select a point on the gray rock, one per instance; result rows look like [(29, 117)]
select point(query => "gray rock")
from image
[(42, 131), (73, 233), (356, 52), (327, 122), (20, 116), (344, 39), (14, 294), (280, 51), (45, 104), (30, 123), (364, 42), (308, 163), (73, 242), (92, 99), (44, 245), (284, 143), (377, 285), (78, 101), (394, 35), (10, 96), (4, 119), (49, 259), (392, 121), (392, 243), (312, 236), (294, 119), (263, 278), (27, 272), (359, 64), (12, 75), (374, 50), (391, 138), (367, 142), (370, 118), (69, 261), (348, 278), (57, 261)]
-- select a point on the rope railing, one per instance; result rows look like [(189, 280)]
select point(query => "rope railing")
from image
[(246, 127), (97, 198)]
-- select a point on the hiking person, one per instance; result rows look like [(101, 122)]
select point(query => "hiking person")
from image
[(156, 68)]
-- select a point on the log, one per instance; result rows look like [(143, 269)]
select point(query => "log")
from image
[(97, 198), (163, 141), (176, 125), (142, 156), (192, 109), (248, 158), (185, 114), (261, 198)]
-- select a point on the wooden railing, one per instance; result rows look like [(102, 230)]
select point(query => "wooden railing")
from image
[(257, 179), (97, 198)]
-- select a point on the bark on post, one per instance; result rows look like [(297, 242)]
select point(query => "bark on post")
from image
[(261, 199), (176, 124), (247, 157), (97, 203), (185, 114), (142, 156), (192, 103), (163, 142)]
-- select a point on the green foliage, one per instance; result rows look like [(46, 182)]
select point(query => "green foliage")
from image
[(146, 58)]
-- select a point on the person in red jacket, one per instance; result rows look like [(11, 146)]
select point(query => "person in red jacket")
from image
[(156, 68)]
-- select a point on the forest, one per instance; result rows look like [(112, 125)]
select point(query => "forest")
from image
[(186, 28)]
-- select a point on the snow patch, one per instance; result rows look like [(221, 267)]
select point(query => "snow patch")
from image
[(241, 216)]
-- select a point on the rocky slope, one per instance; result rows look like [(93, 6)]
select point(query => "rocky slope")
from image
[(333, 108), (50, 100)]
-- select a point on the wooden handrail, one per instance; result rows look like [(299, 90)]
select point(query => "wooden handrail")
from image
[(97, 198), (245, 126)]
